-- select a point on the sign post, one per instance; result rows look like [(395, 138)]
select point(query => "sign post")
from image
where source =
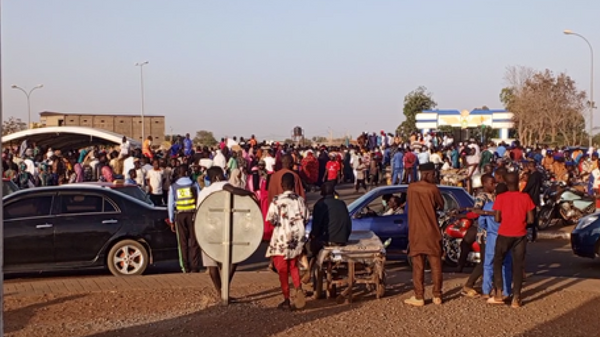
[(229, 229)]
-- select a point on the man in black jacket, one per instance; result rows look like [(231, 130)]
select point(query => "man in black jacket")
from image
[(533, 188), (331, 222)]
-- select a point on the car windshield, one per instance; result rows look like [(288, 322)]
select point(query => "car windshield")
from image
[(8, 187), (134, 192), (355, 206)]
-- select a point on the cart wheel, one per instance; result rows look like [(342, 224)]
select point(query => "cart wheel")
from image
[(332, 291), (380, 289), (318, 284), (340, 299)]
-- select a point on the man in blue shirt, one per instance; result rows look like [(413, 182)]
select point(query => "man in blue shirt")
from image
[(454, 154), (501, 150), (187, 146), (182, 209), (397, 163), (176, 148), (490, 226)]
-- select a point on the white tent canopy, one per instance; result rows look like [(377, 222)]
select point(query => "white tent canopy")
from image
[(66, 137)]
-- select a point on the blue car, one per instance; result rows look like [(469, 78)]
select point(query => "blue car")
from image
[(366, 215), (585, 238)]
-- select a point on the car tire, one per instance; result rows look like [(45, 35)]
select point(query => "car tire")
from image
[(127, 258)]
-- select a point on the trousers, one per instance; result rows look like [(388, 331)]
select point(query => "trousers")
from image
[(466, 246), (488, 268), (189, 250), (435, 262), (516, 246), (397, 176), (285, 268), (478, 270), (410, 175)]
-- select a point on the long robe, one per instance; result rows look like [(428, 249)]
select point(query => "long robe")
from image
[(424, 235)]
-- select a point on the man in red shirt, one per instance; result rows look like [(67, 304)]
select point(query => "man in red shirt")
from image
[(333, 170), (410, 159), (513, 210)]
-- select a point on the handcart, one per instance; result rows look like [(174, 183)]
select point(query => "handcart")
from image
[(453, 177), (361, 261)]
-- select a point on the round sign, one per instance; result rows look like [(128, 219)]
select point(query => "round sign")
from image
[(218, 214)]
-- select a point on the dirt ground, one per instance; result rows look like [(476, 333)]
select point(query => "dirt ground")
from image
[(551, 309)]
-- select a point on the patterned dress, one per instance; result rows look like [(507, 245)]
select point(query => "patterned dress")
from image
[(288, 214)]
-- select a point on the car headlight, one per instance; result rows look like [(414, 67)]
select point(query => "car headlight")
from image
[(583, 223)]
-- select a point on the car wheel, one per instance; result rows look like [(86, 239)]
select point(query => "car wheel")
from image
[(127, 258)]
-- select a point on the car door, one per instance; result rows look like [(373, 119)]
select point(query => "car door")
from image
[(393, 227), (28, 231), (85, 223)]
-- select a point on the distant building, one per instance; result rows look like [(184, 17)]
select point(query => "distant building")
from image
[(127, 125)]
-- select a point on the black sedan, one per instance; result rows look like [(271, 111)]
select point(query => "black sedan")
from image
[(81, 227)]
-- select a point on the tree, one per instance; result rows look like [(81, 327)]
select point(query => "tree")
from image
[(13, 125), (415, 102), (205, 138), (545, 107)]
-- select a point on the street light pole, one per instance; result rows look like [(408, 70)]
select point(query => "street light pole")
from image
[(28, 95), (568, 32), (141, 65)]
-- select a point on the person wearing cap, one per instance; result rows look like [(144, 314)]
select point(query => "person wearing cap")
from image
[(181, 203), (425, 240)]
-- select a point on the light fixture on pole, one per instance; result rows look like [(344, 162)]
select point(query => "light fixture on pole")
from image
[(141, 65), (28, 95), (569, 32)]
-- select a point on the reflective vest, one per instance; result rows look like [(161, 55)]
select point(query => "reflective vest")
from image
[(185, 197)]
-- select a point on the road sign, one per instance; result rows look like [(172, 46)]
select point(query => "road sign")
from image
[(229, 229)]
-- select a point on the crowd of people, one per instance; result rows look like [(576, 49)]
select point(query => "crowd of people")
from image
[(279, 175)]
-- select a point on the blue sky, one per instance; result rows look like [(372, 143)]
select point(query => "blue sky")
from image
[(263, 67)]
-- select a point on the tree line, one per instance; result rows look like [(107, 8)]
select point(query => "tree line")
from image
[(547, 108)]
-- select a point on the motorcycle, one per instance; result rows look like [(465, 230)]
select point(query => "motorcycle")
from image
[(453, 232), (565, 204)]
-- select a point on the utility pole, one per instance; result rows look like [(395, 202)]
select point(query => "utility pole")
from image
[(141, 65), (28, 95)]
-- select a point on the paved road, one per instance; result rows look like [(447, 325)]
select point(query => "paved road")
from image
[(545, 257)]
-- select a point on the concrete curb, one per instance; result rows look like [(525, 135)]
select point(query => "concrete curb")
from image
[(553, 235)]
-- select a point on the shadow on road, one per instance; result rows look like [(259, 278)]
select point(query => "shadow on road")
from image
[(580, 322), (24, 315), (242, 319)]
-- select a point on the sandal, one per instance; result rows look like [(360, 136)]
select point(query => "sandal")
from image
[(285, 305), (494, 300), (469, 292)]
